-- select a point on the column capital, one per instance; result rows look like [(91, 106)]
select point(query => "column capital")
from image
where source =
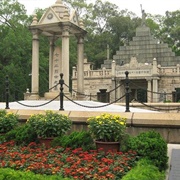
[(80, 39), (35, 33), (65, 31), (149, 79), (155, 78)]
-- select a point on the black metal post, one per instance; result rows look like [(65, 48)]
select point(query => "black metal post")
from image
[(127, 91), (61, 82), (7, 92)]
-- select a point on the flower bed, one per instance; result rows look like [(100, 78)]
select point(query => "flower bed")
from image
[(66, 162)]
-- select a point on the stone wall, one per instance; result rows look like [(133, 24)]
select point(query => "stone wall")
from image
[(167, 124)]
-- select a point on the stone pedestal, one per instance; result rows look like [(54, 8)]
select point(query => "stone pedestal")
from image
[(80, 97), (31, 96), (51, 95)]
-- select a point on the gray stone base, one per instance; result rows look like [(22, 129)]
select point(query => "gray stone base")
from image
[(31, 96), (51, 95)]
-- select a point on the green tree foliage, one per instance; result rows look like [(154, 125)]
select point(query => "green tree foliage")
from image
[(80, 6), (170, 32), (122, 28), (12, 13), (16, 50), (104, 22), (14, 47)]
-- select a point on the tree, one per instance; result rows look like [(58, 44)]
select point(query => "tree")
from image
[(12, 13), (170, 31), (80, 6), (15, 46)]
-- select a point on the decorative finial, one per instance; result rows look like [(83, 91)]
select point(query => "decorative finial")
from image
[(66, 15), (58, 2), (81, 24), (35, 20)]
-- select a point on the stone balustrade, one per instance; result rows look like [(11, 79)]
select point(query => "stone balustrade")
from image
[(169, 70), (95, 73), (132, 72), (139, 72)]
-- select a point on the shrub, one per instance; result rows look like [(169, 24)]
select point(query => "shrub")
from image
[(144, 170), (75, 140), (50, 124), (107, 127), (151, 145), (8, 121), (23, 134)]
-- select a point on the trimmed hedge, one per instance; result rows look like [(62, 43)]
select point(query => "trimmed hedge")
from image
[(10, 174), (144, 170)]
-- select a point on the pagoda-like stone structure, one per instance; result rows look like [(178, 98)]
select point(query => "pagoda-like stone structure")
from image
[(153, 68), (145, 48)]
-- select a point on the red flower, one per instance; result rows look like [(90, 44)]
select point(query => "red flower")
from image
[(71, 163)]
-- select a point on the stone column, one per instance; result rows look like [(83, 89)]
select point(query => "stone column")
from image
[(113, 93), (119, 91), (51, 50), (65, 57), (80, 65), (149, 92), (155, 89), (35, 64), (155, 80), (114, 83)]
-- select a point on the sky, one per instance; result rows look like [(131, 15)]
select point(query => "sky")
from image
[(150, 6)]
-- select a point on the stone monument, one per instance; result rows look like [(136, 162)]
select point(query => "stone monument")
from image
[(152, 67)]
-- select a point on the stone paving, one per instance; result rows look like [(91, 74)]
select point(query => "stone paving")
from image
[(70, 106), (170, 147)]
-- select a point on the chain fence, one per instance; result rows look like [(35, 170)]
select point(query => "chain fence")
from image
[(128, 96)]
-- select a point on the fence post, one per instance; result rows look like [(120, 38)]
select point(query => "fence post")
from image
[(61, 82), (7, 92), (127, 91)]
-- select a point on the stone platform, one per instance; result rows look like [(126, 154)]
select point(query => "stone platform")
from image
[(70, 106)]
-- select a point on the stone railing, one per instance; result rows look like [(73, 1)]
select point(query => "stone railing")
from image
[(169, 70), (95, 73), (136, 73), (175, 70)]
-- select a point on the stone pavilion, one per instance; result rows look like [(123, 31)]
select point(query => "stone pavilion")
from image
[(57, 22)]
